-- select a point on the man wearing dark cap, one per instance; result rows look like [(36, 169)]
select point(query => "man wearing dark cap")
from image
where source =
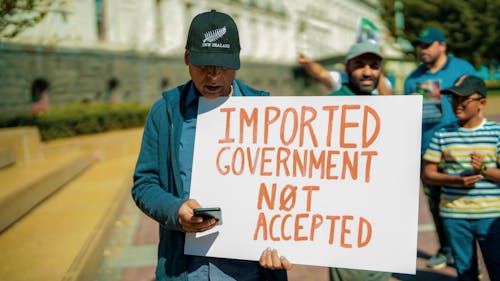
[(470, 179), (441, 71), (363, 67), (162, 175)]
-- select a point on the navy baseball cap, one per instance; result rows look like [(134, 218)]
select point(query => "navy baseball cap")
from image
[(430, 35), (213, 40), (466, 86)]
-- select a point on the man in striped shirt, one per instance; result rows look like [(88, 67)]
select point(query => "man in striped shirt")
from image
[(464, 160)]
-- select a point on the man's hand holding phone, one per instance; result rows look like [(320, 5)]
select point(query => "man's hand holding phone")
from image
[(192, 223)]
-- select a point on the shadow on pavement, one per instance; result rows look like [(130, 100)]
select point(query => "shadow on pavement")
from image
[(424, 276), (423, 255)]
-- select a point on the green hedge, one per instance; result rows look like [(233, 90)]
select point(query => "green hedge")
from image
[(78, 119), (493, 85)]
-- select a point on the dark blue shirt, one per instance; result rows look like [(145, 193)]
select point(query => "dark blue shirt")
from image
[(453, 69)]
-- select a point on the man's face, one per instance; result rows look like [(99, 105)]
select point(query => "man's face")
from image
[(211, 81), (429, 53), (364, 72)]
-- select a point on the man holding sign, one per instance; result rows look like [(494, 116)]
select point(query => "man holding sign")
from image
[(308, 176), (364, 69), (162, 176)]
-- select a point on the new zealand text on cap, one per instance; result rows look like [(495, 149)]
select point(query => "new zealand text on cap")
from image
[(466, 86), (365, 47), (430, 35), (213, 40)]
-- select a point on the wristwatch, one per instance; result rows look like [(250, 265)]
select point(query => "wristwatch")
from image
[(483, 169)]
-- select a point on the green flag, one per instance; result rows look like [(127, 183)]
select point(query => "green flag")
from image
[(367, 30)]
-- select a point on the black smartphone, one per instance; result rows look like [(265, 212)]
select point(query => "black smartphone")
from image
[(209, 213)]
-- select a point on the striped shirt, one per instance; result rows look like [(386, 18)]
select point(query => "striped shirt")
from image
[(453, 148)]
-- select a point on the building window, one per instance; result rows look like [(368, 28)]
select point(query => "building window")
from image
[(100, 22), (159, 21)]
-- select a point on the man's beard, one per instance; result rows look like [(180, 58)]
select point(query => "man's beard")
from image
[(431, 61), (359, 90)]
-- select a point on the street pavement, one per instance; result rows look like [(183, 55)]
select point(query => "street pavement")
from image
[(130, 254)]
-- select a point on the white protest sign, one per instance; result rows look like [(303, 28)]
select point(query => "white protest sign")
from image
[(327, 181)]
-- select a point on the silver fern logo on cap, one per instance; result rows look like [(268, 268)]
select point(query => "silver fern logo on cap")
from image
[(214, 35)]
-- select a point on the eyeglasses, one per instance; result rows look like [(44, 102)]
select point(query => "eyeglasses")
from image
[(464, 101)]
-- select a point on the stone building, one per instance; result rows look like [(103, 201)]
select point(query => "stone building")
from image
[(93, 50)]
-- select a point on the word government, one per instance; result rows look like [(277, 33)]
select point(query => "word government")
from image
[(342, 157), (216, 45)]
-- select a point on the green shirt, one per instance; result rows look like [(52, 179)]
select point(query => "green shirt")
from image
[(344, 91)]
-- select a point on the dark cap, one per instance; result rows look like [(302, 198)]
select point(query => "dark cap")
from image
[(213, 40), (365, 47), (430, 35), (466, 86)]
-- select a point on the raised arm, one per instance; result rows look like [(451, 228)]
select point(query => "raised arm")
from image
[(317, 71), (383, 86)]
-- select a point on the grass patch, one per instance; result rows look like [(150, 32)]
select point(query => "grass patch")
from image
[(79, 119), (494, 92)]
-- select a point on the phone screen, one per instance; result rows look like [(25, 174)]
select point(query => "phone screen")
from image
[(208, 213)]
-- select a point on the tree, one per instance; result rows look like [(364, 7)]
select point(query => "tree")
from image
[(17, 15), (471, 26)]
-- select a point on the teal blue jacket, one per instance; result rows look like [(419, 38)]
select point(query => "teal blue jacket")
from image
[(158, 189)]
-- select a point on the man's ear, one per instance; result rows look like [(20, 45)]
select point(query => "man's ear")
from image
[(482, 107), (443, 47), (186, 57), (347, 68)]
